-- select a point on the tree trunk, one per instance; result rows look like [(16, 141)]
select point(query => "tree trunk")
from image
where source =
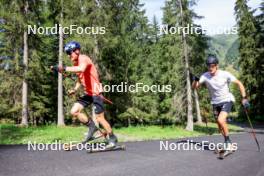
[(189, 125), (95, 54), (24, 121), (60, 84), (197, 105), (128, 122), (95, 50)]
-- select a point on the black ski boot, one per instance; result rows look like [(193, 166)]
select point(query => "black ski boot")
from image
[(112, 141), (91, 130)]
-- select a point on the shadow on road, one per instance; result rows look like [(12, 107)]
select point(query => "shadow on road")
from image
[(205, 147)]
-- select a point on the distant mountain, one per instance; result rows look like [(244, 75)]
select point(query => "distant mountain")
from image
[(225, 47)]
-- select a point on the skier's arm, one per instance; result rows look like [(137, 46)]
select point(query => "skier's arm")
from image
[(83, 63), (241, 88), (77, 69), (77, 86), (233, 79)]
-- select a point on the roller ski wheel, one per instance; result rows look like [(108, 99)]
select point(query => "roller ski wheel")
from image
[(107, 148)]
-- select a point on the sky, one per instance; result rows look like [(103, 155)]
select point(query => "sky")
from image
[(216, 13)]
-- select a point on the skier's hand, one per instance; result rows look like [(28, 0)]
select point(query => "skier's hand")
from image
[(57, 68), (71, 92), (195, 78), (245, 103)]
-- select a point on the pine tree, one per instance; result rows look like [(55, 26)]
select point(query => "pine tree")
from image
[(17, 15), (11, 42), (171, 67), (183, 22), (247, 48), (259, 101)]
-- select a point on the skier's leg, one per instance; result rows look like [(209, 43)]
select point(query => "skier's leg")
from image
[(100, 118), (216, 112), (220, 128), (76, 111), (102, 121), (222, 121)]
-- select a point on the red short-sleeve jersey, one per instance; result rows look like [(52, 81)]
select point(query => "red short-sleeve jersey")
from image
[(89, 78)]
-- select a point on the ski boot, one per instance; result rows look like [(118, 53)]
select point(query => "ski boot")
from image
[(91, 130)]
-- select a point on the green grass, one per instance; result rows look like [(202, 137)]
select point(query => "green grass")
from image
[(11, 134), (170, 132)]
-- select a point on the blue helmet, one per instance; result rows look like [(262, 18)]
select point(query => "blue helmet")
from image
[(211, 60), (71, 46)]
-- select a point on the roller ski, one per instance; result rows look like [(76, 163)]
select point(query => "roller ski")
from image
[(111, 145), (225, 151), (84, 145), (219, 149), (69, 146), (107, 149)]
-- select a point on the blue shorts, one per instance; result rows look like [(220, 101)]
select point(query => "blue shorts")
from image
[(97, 101), (225, 107)]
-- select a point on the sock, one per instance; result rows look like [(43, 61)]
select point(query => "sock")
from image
[(227, 139), (87, 123)]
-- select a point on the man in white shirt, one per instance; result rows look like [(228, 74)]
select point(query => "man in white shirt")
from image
[(217, 82)]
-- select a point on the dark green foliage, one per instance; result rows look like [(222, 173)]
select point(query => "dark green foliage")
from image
[(132, 50), (225, 47), (251, 54), (232, 55)]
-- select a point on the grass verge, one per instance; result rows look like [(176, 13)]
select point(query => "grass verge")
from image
[(12, 134)]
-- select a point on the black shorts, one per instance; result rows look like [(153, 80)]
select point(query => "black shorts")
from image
[(225, 106), (97, 101)]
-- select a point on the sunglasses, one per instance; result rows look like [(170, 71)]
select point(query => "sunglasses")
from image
[(70, 52), (211, 65)]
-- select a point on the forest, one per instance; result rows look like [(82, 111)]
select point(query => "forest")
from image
[(126, 47)]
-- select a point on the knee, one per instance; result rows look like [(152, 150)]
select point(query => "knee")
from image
[(74, 112), (99, 117), (221, 121)]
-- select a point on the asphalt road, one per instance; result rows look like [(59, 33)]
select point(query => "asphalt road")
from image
[(140, 158)]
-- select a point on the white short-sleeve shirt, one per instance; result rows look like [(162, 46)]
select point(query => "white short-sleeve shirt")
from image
[(218, 86)]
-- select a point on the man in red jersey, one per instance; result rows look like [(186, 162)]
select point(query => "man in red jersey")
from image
[(89, 79)]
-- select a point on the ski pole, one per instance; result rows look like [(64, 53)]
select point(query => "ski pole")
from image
[(206, 124), (252, 129)]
